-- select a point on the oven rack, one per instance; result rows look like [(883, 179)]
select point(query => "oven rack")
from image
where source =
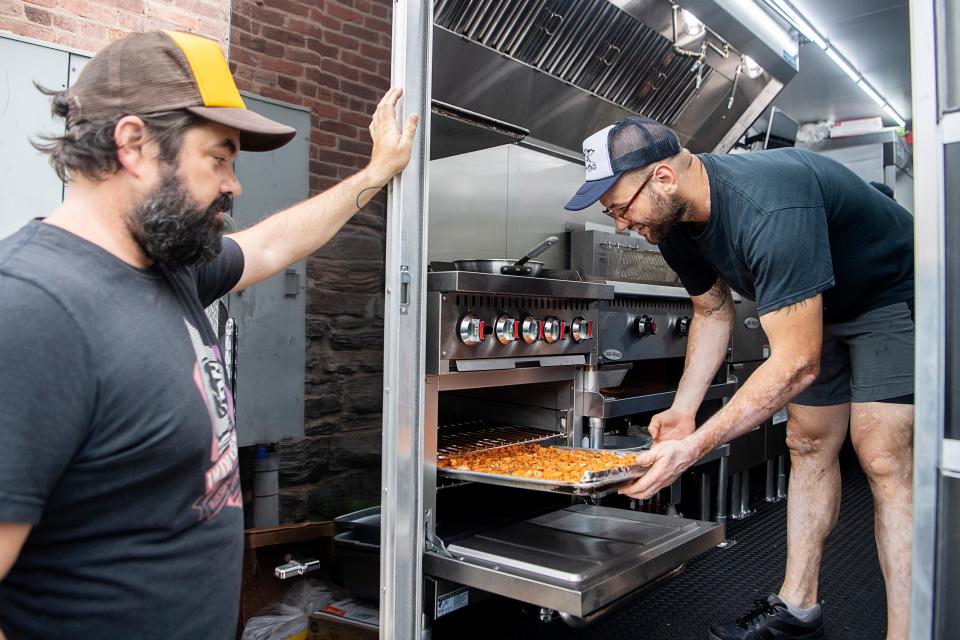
[(471, 436)]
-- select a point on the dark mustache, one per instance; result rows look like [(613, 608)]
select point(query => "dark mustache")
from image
[(223, 203)]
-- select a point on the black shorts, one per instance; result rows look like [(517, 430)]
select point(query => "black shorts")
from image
[(867, 359)]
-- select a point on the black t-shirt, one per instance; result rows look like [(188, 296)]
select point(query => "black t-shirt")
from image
[(787, 224), (118, 444)]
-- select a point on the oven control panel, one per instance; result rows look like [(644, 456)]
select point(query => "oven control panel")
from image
[(632, 328), (480, 326)]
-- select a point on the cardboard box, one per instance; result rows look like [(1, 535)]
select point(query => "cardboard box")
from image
[(345, 620), (858, 127)]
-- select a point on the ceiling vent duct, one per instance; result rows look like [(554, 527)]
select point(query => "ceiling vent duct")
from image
[(565, 68)]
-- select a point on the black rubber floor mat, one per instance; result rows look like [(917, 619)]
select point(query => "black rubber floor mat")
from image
[(722, 584)]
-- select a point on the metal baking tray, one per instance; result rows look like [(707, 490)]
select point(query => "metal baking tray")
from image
[(593, 483)]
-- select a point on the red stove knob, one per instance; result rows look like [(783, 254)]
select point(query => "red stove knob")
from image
[(581, 329), (682, 326), (552, 330), (531, 330), (471, 330), (507, 329), (646, 326)]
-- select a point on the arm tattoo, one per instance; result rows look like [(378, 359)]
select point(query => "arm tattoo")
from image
[(796, 305), (719, 289), (362, 191)]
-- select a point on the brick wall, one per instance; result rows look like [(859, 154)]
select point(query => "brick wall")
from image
[(332, 56), (88, 25)]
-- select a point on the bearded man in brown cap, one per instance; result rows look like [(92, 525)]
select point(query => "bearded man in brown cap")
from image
[(119, 484)]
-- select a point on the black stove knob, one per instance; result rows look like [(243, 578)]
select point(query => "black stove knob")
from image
[(682, 326), (646, 326)]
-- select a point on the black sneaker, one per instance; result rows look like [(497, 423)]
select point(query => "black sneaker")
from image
[(769, 620)]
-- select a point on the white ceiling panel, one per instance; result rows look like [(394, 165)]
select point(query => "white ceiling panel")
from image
[(874, 36)]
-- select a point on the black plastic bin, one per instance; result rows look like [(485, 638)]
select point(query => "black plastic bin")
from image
[(356, 552)]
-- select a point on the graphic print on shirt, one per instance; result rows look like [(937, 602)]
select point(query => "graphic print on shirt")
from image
[(221, 480)]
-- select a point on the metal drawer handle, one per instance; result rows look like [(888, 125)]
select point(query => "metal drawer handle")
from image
[(546, 27), (660, 76), (607, 59), (294, 568)]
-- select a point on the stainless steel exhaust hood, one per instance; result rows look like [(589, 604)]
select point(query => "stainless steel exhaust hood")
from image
[(564, 68)]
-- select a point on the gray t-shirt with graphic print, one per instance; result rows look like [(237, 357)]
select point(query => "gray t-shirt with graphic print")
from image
[(118, 444)]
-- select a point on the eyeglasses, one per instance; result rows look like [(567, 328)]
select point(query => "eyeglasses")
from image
[(618, 213)]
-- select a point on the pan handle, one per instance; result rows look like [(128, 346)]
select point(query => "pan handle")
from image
[(537, 250)]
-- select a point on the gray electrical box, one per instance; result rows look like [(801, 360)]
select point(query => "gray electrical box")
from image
[(30, 188), (271, 347), (270, 316)]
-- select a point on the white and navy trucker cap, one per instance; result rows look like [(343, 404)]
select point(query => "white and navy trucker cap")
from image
[(628, 144)]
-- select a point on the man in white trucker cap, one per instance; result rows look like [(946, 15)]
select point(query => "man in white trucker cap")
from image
[(829, 261)]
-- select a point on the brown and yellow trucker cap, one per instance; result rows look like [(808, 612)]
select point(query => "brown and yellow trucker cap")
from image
[(145, 73)]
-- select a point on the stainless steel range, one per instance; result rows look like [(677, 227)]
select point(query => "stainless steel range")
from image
[(508, 360), (480, 321), (642, 327)]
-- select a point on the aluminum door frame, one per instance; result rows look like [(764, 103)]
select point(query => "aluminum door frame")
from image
[(930, 314), (402, 529)]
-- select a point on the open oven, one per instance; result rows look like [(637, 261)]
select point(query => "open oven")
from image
[(509, 361)]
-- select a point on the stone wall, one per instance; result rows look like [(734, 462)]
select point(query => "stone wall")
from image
[(88, 25), (332, 56)]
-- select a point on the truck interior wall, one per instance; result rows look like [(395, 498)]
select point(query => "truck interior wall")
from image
[(500, 202)]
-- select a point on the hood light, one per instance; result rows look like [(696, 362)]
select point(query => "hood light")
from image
[(896, 116), (843, 64), (751, 68), (691, 25), (867, 89)]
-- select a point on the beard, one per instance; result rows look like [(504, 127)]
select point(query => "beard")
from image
[(670, 210), (171, 229)]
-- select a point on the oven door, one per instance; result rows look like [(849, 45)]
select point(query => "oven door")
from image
[(577, 560)]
